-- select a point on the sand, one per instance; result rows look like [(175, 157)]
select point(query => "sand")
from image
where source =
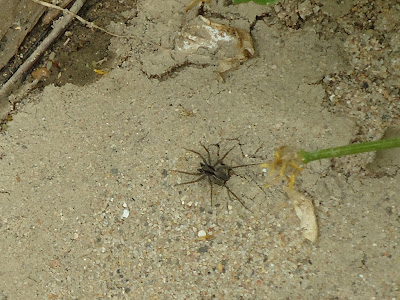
[(90, 206)]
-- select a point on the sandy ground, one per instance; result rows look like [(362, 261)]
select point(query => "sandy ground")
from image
[(76, 159)]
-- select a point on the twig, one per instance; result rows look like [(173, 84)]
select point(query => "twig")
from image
[(58, 29), (53, 13), (88, 24)]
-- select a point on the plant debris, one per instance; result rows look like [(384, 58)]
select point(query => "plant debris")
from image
[(232, 46), (304, 209)]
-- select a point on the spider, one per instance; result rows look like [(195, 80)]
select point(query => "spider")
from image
[(216, 173)]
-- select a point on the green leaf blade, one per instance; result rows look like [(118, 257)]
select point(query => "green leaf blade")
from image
[(261, 2)]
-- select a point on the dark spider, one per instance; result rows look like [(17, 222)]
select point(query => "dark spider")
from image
[(218, 172)]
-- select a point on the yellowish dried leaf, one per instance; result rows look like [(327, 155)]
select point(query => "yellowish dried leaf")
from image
[(205, 40), (304, 209)]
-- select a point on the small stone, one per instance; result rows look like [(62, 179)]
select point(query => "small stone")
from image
[(125, 214), (305, 9), (55, 263), (220, 267), (203, 249), (201, 233)]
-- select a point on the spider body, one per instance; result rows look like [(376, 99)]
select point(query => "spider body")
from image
[(218, 174)]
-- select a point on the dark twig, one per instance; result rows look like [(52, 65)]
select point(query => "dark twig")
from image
[(58, 29)]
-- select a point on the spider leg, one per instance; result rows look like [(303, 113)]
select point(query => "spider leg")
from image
[(193, 181), (199, 154), (250, 180), (246, 165), (209, 162), (188, 173), (211, 190), (218, 149), (236, 197), (223, 157)]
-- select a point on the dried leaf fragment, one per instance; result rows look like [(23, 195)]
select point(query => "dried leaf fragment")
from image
[(205, 40), (195, 2), (304, 209)]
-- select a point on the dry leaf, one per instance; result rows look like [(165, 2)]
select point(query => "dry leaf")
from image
[(304, 209), (203, 40)]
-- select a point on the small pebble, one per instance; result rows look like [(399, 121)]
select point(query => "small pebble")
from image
[(203, 249), (201, 233), (125, 214)]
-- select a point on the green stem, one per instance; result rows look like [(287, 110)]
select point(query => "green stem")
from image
[(306, 157), (262, 2)]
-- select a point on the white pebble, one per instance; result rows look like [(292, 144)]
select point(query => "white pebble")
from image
[(201, 233), (125, 214)]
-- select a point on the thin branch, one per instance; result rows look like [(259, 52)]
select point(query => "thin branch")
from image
[(53, 13), (87, 23), (58, 29)]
